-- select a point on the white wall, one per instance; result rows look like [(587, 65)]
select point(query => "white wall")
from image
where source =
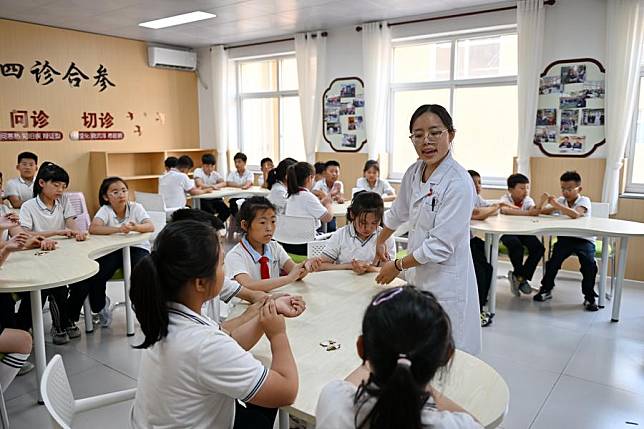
[(206, 102)]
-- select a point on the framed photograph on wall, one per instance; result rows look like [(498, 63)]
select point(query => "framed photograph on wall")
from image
[(343, 115), (570, 113)]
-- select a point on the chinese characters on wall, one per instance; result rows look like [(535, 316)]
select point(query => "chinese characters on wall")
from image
[(44, 73)]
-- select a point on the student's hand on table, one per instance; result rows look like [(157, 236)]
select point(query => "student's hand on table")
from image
[(47, 244), (534, 211), (17, 242), (272, 323), (359, 267), (299, 271), (545, 197), (127, 227), (312, 264), (80, 235), (290, 306), (388, 272), (339, 200), (8, 220)]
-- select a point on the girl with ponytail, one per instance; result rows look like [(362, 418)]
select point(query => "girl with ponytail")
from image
[(406, 340), (193, 373)]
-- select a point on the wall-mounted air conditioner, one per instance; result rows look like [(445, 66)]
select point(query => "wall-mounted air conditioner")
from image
[(171, 58)]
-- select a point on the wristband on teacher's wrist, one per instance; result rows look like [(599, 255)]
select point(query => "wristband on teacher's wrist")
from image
[(399, 268)]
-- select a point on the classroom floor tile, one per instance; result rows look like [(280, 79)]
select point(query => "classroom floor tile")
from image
[(565, 367)]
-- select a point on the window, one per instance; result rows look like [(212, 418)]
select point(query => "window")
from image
[(474, 78), (269, 109), (635, 182)]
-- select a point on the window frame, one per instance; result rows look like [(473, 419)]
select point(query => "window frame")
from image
[(452, 84), (278, 94), (633, 187)]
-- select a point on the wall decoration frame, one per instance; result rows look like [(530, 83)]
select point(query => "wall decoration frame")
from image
[(343, 116)]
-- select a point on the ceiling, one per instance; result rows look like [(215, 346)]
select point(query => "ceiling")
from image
[(236, 21)]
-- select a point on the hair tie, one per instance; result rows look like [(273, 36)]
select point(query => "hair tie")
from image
[(403, 360)]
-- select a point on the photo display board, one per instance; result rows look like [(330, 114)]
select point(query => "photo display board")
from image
[(343, 115), (570, 112)]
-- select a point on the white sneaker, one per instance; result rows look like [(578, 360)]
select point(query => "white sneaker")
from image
[(514, 283), (105, 315)]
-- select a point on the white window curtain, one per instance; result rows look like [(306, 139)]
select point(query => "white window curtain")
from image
[(530, 29), (221, 102), (624, 36), (376, 65), (310, 54)]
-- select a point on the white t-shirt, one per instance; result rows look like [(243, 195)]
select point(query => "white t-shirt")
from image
[(581, 201), (20, 188), (481, 202), (305, 204), (278, 197), (244, 259), (345, 246), (526, 204), (208, 179), (37, 217), (321, 185), (382, 186), (336, 410), (134, 212), (240, 179), (212, 308), (4, 235), (173, 187), (191, 378)]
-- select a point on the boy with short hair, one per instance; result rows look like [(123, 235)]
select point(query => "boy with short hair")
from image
[(517, 203), (330, 183), (240, 177), (266, 165), (319, 170), (170, 163), (208, 179), (21, 188), (574, 205), (174, 185)]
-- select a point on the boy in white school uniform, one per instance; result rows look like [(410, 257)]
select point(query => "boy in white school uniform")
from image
[(574, 205), (330, 185), (175, 184), (208, 179), (21, 188), (240, 177)]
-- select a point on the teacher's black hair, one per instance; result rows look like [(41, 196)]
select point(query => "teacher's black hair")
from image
[(436, 109)]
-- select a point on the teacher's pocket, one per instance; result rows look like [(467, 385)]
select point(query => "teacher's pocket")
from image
[(426, 215)]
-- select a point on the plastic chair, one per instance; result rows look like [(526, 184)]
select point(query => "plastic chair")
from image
[(155, 206), (4, 417), (59, 400), (77, 201), (314, 248)]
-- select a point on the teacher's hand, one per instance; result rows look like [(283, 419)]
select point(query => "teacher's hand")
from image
[(388, 272), (381, 254)]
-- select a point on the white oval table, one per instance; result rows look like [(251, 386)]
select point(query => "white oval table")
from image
[(228, 192)]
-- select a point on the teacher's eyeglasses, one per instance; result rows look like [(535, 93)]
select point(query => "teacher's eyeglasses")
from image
[(419, 137)]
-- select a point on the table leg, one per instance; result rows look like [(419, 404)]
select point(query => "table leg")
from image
[(127, 271), (87, 315), (283, 418), (488, 242), (621, 269), (196, 203), (494, 261), (603, 272), (39, 337)]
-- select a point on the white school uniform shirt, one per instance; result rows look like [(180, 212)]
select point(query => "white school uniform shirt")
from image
[(345, 246), (278, 196), (173, 187), (212, 308), (439, 213), (240, 179), (192, 377), (321, 185), (134, 212), (305, 204), (244, 259), (4, 235), (382, 186), (581, 201), (336, 410), (208, 179), (37, 217), (481, 202), (526, 204), (20, 188)]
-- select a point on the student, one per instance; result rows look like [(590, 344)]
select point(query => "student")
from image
[(574, 205), (517, 203), (15, 348), (208, 179), (170, 163), (193, 373), (266, 165), (330, 184), (174, 185), (483, 269), (116, 215), (20, 189), (49, 214), (277, 185), (302, 202), (9, 221), (256, 261), (353, 247), (406, 340), (372, 181), (319, 170), (239, 178)]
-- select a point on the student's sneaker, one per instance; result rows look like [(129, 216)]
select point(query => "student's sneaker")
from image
[(73, 331), (525, 288), (543, 295), (26, 368), (486, 319), (59, 337), (590, 305), (105, 315), (514, 283)]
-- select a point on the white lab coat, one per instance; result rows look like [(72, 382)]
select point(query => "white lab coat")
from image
[(439, 212)]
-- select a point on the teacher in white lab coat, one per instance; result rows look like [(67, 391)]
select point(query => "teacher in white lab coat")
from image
[(436, 197)]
